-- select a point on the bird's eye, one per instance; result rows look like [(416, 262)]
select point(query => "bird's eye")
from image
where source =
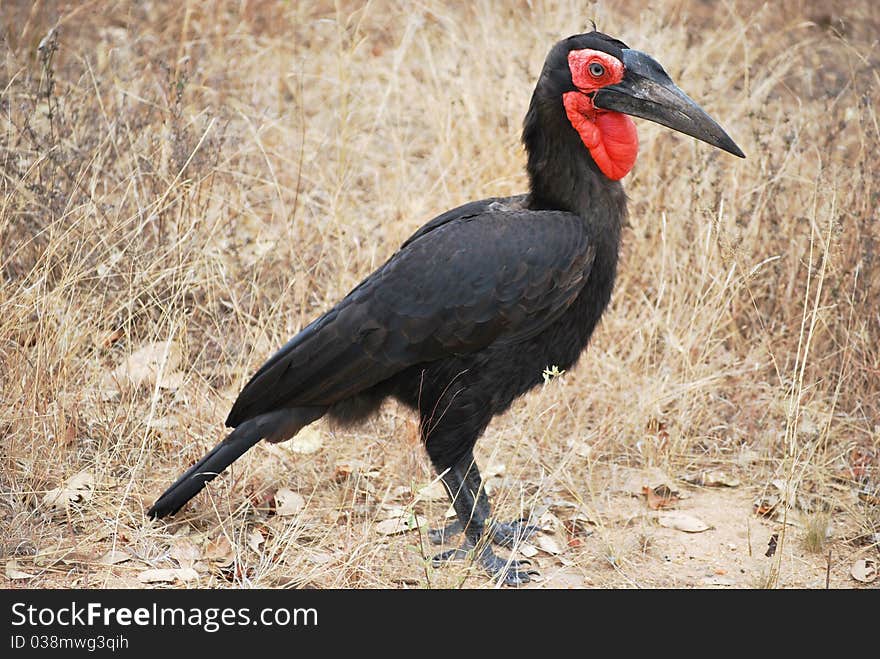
[(597, 70)]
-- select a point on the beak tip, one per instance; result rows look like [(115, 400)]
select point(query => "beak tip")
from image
[(730, 146)]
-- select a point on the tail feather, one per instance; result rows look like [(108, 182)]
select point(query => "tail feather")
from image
[(274, 426)]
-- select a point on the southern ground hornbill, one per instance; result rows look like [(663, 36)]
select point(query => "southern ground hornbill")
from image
[(472, 309)]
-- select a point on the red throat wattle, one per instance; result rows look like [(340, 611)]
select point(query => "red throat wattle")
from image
[(610, 137)]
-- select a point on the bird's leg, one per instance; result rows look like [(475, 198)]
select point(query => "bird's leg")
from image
[(464, 485), (504, 534)]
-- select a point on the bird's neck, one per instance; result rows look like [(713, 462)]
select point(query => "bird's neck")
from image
[(564, 176)]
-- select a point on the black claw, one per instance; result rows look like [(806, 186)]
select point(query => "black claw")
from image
[(507, 571), (450, 555), (516, 578)]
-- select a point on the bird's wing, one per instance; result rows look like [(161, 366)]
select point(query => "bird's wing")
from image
[(495, 276), (469, 210)]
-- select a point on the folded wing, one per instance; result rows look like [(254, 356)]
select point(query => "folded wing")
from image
[(455, 287)]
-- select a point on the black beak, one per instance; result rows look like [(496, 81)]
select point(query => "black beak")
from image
[(648, 92)]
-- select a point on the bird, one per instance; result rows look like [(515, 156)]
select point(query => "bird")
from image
[(470, 311)]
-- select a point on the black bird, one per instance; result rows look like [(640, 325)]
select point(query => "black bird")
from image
[(472, 309)]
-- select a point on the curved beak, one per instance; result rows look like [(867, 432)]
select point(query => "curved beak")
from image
[(648, 92)]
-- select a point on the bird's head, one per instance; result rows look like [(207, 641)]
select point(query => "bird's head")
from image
[(601, 82)]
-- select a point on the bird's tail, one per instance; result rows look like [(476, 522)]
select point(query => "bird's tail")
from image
[(274, 426)]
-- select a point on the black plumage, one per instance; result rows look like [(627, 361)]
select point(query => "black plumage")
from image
[(460, 321)]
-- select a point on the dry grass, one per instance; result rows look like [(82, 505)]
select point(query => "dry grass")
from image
[(216, 174)]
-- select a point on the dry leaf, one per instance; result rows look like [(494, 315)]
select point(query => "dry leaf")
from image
[(113, 557), (527, 550), (765, 505), (219, 550), (719, 479), (13, 571), (493, 484), (659, 497), (77, 489), (343, 470), (548, 544), (143, 365), (400, 524), (433, 492), (48, 557), (254, 539), (550, 523), (682, 522), (390, 510), (712, 479), (560, 506), (576, 527), (261, 496), (585, 517), (308, 440), (319, 557), (864, 570), (185, 552), (78, 558), (288, 502), (168, 575)]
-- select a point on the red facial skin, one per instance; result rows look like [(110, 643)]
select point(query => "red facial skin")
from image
[(610, 136)]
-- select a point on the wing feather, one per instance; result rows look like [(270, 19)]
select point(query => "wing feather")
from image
[(489, 275)]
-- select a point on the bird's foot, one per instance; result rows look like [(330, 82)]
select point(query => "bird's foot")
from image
[(510, 534), (504, 534), (510, 572)]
